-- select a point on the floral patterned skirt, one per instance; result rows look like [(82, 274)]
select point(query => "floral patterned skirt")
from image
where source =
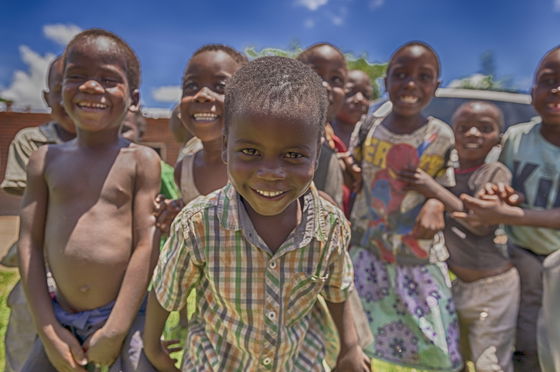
[(410, 312)]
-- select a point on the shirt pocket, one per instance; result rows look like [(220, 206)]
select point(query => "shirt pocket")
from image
[(303, 290)]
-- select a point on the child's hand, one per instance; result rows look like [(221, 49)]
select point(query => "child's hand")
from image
[(161, 358), (418, 180), (505, 192), (102, 348), (430, 220), (491, 210), (64, 351), (353, 360), (169, 209)]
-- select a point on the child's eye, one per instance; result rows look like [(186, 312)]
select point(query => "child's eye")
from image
[(190, 88), (399, 75), (249, 152), (294, 155), (426, 77), (486, 129), (220, 87), (337, 81)]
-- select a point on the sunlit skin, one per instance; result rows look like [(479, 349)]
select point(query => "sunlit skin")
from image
[(202, 110), (546, 96), (331, 67), (476, 126), (271, 162), (411, 83), (53, 98), (88, 210), (358, 93)]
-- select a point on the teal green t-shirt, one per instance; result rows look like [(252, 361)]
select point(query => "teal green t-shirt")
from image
[(168, 187), (535, 166)]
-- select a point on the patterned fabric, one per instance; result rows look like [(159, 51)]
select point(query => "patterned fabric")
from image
[(254, 307), (410, 311), (384, 213), (405, 295)]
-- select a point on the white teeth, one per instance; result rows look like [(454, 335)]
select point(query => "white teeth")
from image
[(471, 145), (269, 194), (409, 99), (205, 116), (554, 105), (92, 105)]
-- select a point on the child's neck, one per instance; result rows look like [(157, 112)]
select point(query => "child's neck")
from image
[(99, 139), (402, 124), (63, 134), (551, 133), (212, 151), (469, 165), (274, 230), (343, 130)]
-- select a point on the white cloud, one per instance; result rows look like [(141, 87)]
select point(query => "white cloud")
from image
[(557, 5), (26, 86), (61, 33), (374, 4), (312, 4), (339, 18), (309, 23), (171, 93)]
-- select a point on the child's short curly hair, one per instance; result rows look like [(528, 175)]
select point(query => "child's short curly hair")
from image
[(239, 58), (132, 62), (277, 86)]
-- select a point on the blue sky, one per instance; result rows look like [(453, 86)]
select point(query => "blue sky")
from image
[(165, 33)]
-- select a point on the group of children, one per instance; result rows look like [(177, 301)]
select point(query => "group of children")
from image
[(282, 150)]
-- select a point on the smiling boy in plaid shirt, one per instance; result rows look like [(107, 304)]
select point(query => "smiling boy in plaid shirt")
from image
[(259, 251)]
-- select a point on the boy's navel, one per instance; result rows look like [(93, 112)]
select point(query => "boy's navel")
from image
[(84, 288)]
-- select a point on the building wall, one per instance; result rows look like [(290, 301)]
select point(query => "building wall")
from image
[(157, 136)]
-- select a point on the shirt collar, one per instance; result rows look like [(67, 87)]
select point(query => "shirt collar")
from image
[(233, 216)]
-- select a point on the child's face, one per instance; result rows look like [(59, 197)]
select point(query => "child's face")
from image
[(546, 89), (202, 105), (53, 97), (271, 159), (95, 88), (331, 67), (358, 94), (412, 80), (477, 129)]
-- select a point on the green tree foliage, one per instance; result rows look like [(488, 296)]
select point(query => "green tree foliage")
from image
[(375, 71)]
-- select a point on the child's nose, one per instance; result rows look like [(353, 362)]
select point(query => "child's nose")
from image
[(271, 171), (204, 95), (473, 131), (91, 86)]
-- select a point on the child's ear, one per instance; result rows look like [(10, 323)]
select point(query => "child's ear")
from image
[(134, 100), (46, 98), (438, 83)]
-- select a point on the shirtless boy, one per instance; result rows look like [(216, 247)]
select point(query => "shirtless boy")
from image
[(87, 209)]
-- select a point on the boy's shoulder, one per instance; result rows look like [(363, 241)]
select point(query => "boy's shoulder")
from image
[(522, 129), (205, 206), (39, 135)]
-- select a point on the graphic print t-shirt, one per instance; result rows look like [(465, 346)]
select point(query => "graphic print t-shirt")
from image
[(535, 167), (384, 214)]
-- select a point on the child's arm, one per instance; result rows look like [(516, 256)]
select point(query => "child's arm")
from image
[(421, 182), (153, 347), (495, 211), (62, 348), (351, 357), (105, 344)]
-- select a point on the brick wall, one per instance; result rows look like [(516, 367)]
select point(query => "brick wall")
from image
[(157, 136)]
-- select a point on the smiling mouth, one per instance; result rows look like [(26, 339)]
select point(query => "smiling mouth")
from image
[(554, 106), (92, 105), (409, 99), (205, 116), (471, 146), (269, 194)]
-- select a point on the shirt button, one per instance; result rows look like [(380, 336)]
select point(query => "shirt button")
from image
[(267, 361), (271, 315), (272, 264)]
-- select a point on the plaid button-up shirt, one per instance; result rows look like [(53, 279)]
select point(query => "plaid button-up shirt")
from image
[(255, 308)]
